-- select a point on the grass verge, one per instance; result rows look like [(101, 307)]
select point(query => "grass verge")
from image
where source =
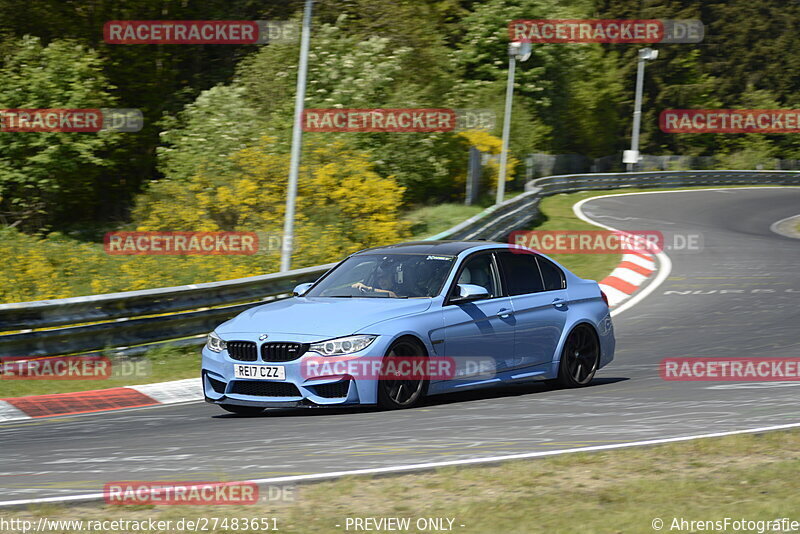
[(158, 365), (748, 477), (557, 214), (431, 220)]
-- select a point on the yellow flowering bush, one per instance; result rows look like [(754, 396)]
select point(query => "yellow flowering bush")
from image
[(343, 205), (490, 144)]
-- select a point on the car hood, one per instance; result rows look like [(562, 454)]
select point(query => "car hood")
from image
[(321, 316)]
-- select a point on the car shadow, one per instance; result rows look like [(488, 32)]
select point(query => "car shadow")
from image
[(306, 411), (497, 392), (506, 391)]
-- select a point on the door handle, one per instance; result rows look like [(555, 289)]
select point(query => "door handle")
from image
[(504, 313), (559, 303)]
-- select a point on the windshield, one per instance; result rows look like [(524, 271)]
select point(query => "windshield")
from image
[(386, 276)]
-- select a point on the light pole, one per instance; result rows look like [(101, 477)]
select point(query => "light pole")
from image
[(297, 141), (521, 51), (631, 157)]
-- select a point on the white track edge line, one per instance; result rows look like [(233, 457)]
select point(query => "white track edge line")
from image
[(664, 263), (774, 226), (664, 268), (435, 465)]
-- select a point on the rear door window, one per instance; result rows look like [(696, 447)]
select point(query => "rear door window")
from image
[(520, 273), (552, 276)]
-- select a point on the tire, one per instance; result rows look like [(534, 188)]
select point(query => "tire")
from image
[(579, 358), (398, 394), (241, 410)]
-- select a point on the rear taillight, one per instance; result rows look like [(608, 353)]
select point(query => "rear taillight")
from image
[(605, 297)]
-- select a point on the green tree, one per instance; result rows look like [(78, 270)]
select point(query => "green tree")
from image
[(561, 88), (156, 79), (203, 137), (49, 178), (357, 71), (749, 47)]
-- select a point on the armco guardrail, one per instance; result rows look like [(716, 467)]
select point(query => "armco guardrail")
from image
[(579, 182), (143, 318), (125, 319), (49, 313)]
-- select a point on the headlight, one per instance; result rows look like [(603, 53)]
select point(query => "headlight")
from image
[(342, 345), (214, 343)]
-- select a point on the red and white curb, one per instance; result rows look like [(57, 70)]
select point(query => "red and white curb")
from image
[(625, 286), (627, 277), (622, 287), (619, 287), (101, 400)]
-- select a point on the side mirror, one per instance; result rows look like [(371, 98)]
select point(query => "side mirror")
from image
[(301, 289), (470, 292)]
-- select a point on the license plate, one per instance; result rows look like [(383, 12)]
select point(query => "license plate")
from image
[(259, 372)]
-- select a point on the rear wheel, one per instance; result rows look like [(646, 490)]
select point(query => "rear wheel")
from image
[(579, 359), (395, 391), (241, 410)]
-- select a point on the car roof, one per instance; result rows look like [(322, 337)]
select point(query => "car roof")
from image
[(450, 248)]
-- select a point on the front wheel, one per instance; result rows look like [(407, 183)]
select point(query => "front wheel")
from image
[(241, 410), (579, 359), (395, 391)]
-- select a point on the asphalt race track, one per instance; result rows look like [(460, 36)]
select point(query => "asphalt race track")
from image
[(738, 296)]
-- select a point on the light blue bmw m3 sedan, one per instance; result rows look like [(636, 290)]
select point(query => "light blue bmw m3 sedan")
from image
[(393, 324)]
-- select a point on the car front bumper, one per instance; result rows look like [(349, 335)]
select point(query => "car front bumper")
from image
[(220, 385)]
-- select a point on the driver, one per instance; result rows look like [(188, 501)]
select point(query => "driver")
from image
[(383, 280)]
